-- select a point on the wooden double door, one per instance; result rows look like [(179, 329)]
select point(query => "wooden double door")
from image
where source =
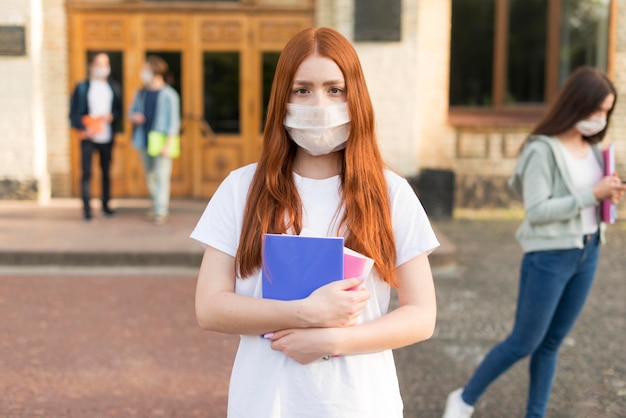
[(221, 64)]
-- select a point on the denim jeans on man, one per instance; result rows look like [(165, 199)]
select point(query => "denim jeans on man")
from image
[(158, 172), (553, 288)]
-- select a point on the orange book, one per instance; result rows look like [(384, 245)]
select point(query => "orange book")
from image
[(93, 125)]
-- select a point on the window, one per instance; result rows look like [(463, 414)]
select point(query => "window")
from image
[(269, 60), (584, 35), (515, 54), (221, 76), (190, 1)]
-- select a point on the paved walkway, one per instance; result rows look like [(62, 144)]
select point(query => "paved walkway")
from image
[(55, 234), (114, 334)]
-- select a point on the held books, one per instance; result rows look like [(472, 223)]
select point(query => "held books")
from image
[(608, 210), (157, 141), (94, 125), (296, 265), (354, 263)]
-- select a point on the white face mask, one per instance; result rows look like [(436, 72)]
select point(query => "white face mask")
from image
[(146, 76), (591, 126), (319, 130), (100, 73)]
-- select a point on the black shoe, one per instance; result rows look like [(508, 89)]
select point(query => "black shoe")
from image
[(87, 217), (108, 212)]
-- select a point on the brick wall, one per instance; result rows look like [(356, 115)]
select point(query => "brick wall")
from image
[(33, 102), (17, 176), (56, 95), (617, 132), (407, 80)]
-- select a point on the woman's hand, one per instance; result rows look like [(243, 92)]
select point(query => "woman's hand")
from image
[(610, 187), (305, 345), (618, 192), (337, 304)]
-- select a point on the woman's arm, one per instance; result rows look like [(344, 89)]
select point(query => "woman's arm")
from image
[(174, 114), (540, 203), (219, 308), (413, 321)]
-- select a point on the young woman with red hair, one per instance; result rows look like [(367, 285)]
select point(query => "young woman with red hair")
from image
[(329, 354)]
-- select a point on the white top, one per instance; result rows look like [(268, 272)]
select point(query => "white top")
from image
[(585, 173), (266, 383), (100, 99)]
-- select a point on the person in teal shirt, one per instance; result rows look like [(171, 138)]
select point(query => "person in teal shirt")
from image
[(156, 107)]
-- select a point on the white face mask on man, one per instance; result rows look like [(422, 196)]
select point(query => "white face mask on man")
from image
[(146, 76), (591, 126), (319, 130), (100, 73)]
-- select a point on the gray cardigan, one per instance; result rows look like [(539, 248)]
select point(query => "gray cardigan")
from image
[(551, 203), (166, 116)]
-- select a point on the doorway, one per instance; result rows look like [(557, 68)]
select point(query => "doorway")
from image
[(221, 64)]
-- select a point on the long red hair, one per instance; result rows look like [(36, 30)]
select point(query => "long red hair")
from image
[(273, 204)]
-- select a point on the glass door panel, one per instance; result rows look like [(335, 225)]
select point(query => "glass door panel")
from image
[(268, 68), (221, 79)]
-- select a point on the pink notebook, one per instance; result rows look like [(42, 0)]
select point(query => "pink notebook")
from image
[(354, 264), (608, 211)]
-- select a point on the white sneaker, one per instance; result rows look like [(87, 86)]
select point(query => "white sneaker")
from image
[(456, 406)]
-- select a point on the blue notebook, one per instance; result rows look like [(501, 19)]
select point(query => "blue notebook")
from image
[(294, 266)]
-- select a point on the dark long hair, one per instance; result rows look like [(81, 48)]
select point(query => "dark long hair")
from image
[(581, 95)]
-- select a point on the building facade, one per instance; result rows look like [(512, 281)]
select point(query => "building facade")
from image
[(456, 84)]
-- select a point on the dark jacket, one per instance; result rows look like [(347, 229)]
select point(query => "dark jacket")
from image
[(79, 106)]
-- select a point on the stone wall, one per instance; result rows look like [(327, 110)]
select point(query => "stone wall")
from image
[(407, 80), (33, 102), (16, 103), (56, 96)]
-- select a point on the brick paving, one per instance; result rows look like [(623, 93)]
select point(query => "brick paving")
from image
[(96, 344), (476, 304), (119, 339)]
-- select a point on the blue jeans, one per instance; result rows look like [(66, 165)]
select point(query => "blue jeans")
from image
[(552, 291), (158, 173)]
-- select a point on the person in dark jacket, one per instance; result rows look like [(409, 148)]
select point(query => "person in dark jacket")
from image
[(95, 113)]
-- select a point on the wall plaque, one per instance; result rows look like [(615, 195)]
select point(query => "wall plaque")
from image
[(12, 40), (378, 21)]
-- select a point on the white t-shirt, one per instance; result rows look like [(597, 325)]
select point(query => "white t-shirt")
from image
[(266, 383), (100, 99), (585, 173)]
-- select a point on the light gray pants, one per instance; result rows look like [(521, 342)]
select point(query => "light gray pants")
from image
[(158, 173)]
